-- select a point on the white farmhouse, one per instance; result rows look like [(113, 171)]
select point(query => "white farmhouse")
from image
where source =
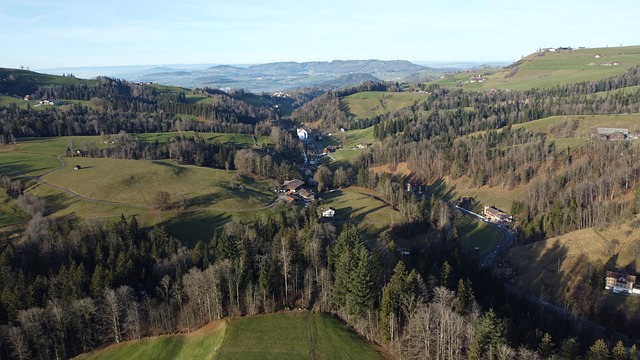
[(303, 134), (329, 213)]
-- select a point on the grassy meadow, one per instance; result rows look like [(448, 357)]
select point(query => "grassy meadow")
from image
[(477, 234), (242, 140), (372, 103), (293, 335), (202, 344), (352, 138), (586, 123), (551, 268), (544, 70), (105, 189), (361, 206)]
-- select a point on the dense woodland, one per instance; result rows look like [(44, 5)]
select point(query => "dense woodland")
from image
[(68, 288)]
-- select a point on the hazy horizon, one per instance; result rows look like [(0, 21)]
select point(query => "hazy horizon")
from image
[(45, 35)]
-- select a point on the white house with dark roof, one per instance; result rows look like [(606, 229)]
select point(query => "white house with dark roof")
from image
[(328, 213), (302, 134)]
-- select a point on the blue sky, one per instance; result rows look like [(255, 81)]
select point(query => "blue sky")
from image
[(48, 34)]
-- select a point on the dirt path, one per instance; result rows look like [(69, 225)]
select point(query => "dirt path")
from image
[(312, 347)]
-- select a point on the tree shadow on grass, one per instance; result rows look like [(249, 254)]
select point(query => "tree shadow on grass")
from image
[(202, 200), (17, 167), (195, 226), (441, 190), (55, 202), (360, 217), (177, 170)]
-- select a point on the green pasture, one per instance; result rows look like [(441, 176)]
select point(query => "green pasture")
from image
[(17, 164), (473, 233), (625, 90), (202, 344), (361, 206), (551, 69), (198, 99), (372, 103), (498, 196), (295, 335), (358, 136), (241, 140), (586, 123), (137, 182), (104, 189), (191, 227), (6, 100)]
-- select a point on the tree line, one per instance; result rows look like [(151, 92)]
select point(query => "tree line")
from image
[(119, 105)]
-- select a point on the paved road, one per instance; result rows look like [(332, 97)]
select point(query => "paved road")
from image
[(508, 237)]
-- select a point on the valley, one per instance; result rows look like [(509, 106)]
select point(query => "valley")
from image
[(322, 221)]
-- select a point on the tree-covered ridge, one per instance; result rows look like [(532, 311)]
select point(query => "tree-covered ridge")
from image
[(116, 105)]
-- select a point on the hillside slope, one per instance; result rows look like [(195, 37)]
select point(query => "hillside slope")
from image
[(544, 69)]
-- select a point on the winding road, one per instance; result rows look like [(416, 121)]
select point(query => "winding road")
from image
[(508, 238)]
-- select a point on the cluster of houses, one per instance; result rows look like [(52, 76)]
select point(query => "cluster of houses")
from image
[(617, 134), (293, 191), (615, 63), (477, 79), (621, 283), (558, 49), (45, 102)]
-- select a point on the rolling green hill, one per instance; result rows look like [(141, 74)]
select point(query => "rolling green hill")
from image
[(547, 69), (295, 335), (22, 82), (106, 188), (371, 103)]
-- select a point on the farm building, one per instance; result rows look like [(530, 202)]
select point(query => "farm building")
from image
[(306, 195), (610, 131), (328, 213), (302, 134), (293, 185)]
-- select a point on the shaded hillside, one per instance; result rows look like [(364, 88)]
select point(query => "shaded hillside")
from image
[(24, 82), (349, 80)]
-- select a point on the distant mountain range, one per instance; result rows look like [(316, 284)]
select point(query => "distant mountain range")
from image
[(267, 77)]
